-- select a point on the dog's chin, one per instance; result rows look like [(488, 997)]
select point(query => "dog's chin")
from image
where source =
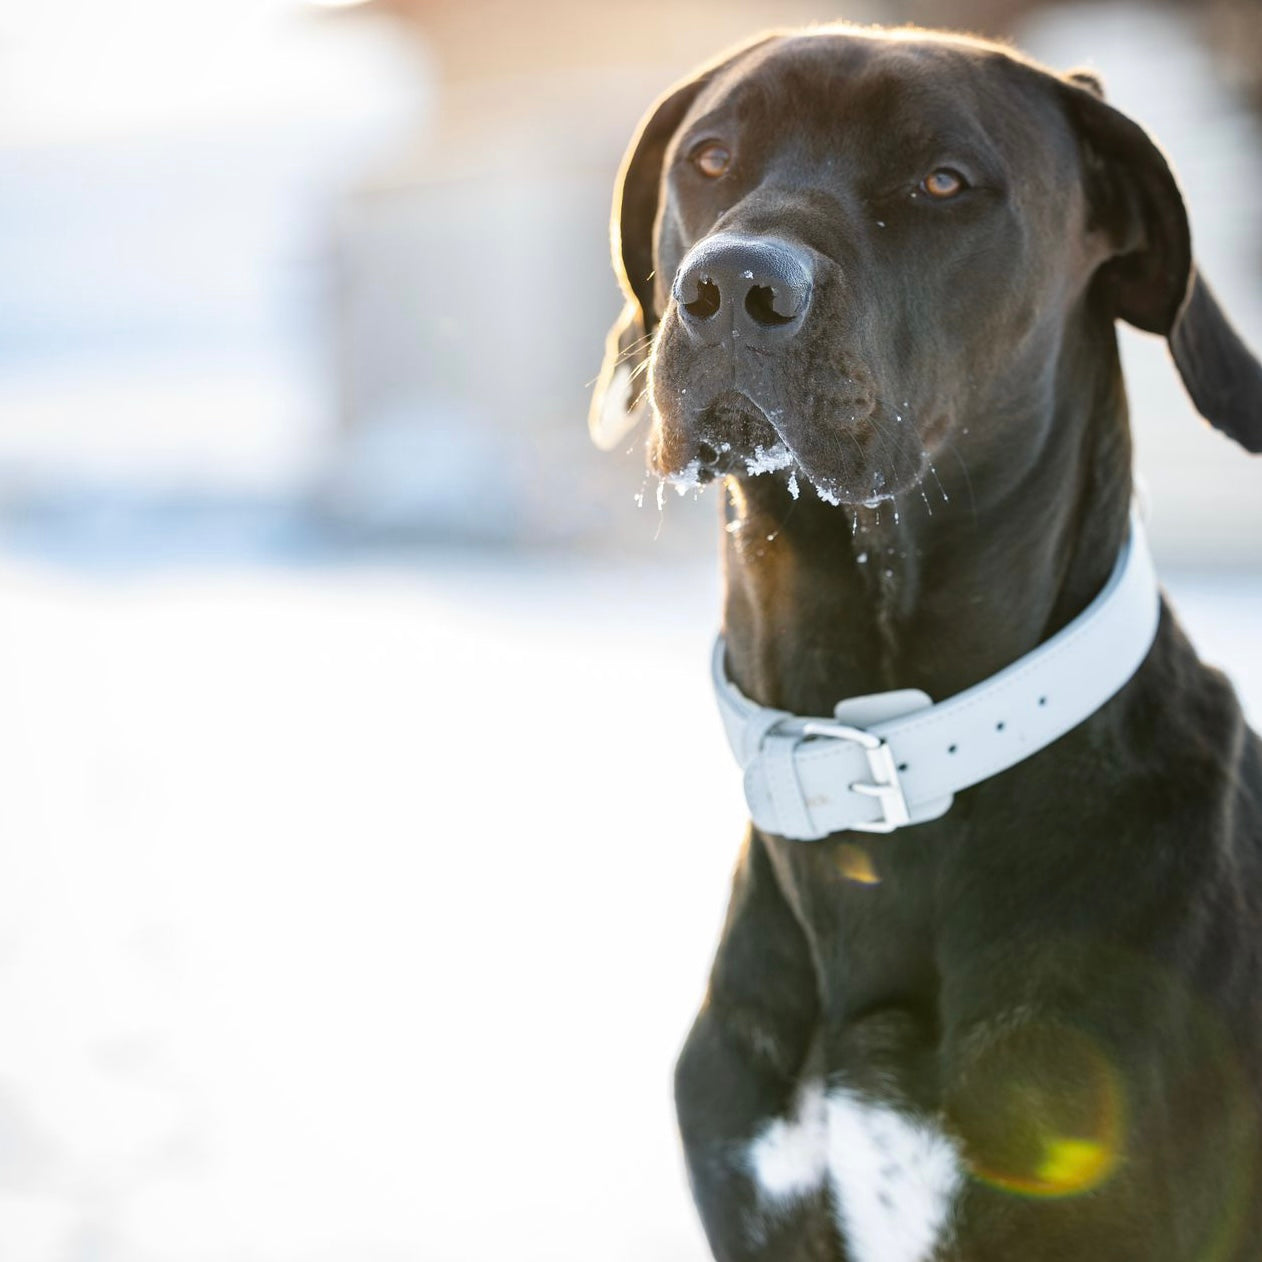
[(730, 435), (733, 436), (864, 483)]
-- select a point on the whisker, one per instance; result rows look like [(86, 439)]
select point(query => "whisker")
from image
[(941, 489), (784, 521), (968, 481), (633, 348), (622, 356)]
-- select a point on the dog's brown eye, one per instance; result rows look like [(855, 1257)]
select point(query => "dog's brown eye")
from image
[(711, 160), (943, 183)]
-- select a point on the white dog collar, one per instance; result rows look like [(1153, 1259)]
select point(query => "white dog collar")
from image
[(895, 758)]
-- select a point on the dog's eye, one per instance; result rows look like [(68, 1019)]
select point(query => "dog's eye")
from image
[(943, 183), (711, 159)]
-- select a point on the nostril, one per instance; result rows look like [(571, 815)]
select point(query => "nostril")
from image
[(760, 303), (706, 303), (706, 454)]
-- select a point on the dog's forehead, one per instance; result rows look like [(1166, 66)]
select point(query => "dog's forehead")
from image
[(900, 82)]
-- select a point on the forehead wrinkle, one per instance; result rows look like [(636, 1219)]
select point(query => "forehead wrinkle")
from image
[(776, 81), (996, 105), (997, 97), (865, 84)]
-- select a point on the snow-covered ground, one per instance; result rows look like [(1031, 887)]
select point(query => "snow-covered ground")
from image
[(358, 912), (350, 914)]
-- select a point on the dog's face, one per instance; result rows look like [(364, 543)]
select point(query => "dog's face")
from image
[(845, 238), (842, 249)]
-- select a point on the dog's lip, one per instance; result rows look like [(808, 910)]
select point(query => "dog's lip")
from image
[(734, 429), (730, 434), (711, 462)]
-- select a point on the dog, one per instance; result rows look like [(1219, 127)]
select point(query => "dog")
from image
[(871, 283)]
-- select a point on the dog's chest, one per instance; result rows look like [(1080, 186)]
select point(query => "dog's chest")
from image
[(867, 909), (890, 1177)]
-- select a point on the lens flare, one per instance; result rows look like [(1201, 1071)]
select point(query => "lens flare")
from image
[(1055, 1125), (855, 864), (1075, 1164)]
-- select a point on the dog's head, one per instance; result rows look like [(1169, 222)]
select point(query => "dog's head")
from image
[(836, 246)]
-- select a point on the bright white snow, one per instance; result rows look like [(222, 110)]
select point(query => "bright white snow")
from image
[(361, 913)]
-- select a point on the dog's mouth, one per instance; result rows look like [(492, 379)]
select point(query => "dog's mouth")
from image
[(731, 435), (866, 457)]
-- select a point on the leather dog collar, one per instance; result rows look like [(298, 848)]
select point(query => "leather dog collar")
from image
[(891, 759)]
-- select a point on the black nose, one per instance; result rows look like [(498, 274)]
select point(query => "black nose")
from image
[(743, 287)]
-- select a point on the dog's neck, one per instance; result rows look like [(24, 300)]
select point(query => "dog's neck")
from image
[(948, 583)]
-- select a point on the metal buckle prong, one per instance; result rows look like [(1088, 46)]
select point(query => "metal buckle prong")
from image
[(886, 787)]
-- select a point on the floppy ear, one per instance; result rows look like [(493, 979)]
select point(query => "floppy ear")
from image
[(618, 403), (1151, 280), (619, 400), (1221, 374)]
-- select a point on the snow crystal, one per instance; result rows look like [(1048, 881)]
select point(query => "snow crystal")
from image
[(768, 460), (688, 478), (793, 485)]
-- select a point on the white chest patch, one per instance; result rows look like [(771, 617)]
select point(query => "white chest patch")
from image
[(789, 1160), (894, 1178)]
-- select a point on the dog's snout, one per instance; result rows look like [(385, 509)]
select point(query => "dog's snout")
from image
[(733, 286)]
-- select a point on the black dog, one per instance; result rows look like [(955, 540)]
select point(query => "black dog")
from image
[(873, 278)]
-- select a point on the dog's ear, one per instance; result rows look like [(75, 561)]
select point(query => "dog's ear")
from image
[(1135, 202), (619, 401), (1151, 280), (1221, 374)]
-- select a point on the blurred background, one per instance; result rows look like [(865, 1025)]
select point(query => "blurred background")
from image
[(300, 306)]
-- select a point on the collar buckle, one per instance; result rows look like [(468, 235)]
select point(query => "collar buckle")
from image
[(885, 785)]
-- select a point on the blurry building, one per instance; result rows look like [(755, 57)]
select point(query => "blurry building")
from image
[(474, 285), (352, 258)]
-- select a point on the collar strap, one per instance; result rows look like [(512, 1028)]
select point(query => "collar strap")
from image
[(895, 758)]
